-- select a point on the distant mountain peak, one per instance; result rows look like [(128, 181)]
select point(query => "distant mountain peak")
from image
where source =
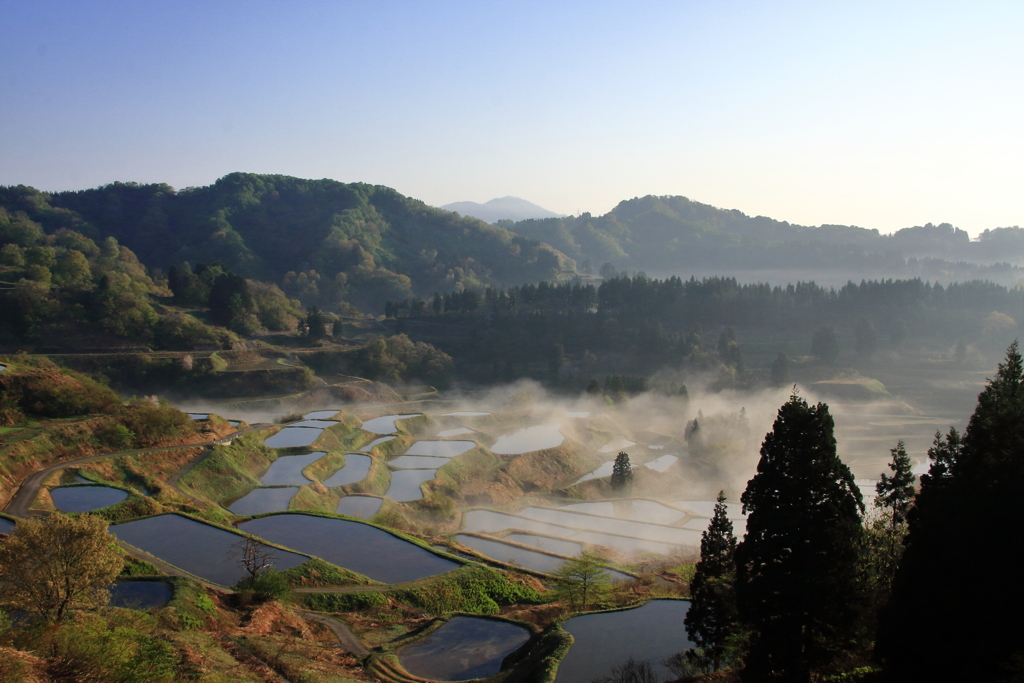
[(502, 208)]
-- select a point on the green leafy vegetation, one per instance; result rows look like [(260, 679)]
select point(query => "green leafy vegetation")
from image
[(475, 590)]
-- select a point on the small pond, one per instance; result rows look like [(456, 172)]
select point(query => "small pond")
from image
[(662, 464), (321, 415), (554, 545), (529, 439), (386, 423), (605, 470), (86, 498), (2, 367), (206, 551), (636, 510), (316, 424), (140, 594), (606, 640), (465, 413), (355, 470), (287, 470), (376, 442), (456, 432), (464, 648), (617, 444), (264, 500), (6, 526), (362, 507), (360, 547), (418, 462), (293, 437), (405, 484), (441, 449), (199, 416)]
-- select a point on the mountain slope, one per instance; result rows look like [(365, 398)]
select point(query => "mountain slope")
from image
[(323, 241), (502, 208)]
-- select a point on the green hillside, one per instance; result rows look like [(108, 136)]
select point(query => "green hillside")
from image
[(324, 242)]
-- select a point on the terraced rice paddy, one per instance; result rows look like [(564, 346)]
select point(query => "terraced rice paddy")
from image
[(201, 549), (464, 648), (359, 547), (386, 423), (529, 439), (86, 498), (355, 470), (294, 437)]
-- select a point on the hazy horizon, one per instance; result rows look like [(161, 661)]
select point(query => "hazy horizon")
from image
[(869, 114)]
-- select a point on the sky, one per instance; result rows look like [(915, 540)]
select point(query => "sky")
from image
[(883, 115)]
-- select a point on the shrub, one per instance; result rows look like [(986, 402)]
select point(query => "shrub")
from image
[(269, 584)]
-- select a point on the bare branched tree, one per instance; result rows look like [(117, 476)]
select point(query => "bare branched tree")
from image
[(253, 555)]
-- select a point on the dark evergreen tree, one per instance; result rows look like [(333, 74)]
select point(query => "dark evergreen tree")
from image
[(338, 328), (593, 387), (712, 620), (555, 359), (780, 370), (229, 298), (896, 493), (797, 576), (622, 473), (825, 345), (316, 325), (960, 572)]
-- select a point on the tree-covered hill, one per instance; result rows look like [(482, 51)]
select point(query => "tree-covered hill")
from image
[(323, 241), (670, 234)]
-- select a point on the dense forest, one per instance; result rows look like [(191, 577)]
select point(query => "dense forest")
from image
[(652, 323), (665, 235), (326, 243)]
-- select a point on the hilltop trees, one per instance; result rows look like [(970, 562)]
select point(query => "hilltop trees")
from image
[(797, 583), (964, 522), (712, 620)]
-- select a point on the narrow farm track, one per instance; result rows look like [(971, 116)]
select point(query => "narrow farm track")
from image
[(345, 637), (29, 489)]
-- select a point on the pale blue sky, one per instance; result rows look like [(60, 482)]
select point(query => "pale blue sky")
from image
[(882, 115)]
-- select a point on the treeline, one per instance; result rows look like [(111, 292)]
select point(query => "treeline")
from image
[(819, 590), (675, 321)]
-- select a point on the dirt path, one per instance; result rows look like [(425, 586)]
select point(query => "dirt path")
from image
[(29, 489), (346, 638)]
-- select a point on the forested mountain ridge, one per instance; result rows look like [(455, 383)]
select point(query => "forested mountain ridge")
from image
[(323, 241), (665, 234)]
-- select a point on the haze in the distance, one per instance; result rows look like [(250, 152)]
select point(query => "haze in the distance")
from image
[(883, 115)]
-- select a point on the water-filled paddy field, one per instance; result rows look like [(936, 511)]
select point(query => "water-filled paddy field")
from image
[(287, 470), (607, 639), (464, 648), (376, 442), (360, 547), (386, 424), (201, 549), (528, 439), (405, 484), (86, 498), (294, 437), (355, 470), (440, 449), (528, 559), (362, 507), (259, 501)]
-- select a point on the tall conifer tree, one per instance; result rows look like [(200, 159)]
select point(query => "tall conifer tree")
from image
[(960, 573), (712, 619), (797, 579), (622, 472)]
